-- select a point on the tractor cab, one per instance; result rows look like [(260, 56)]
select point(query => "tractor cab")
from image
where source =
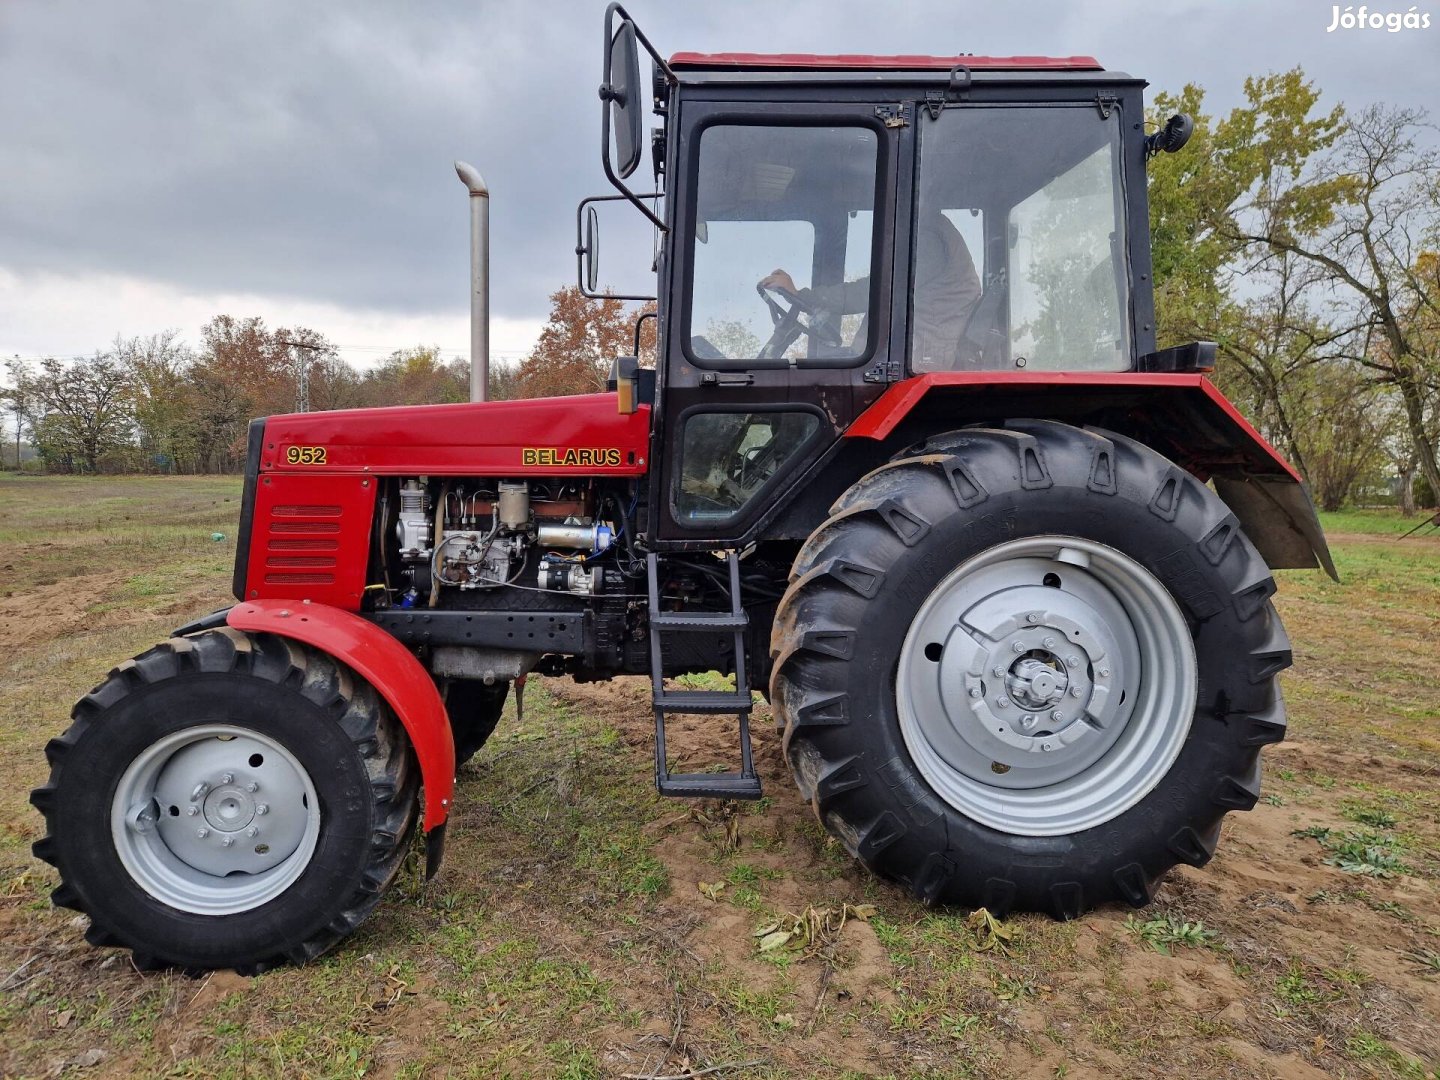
[(833, 225)]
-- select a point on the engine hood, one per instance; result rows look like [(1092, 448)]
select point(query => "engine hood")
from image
[(565, 436)]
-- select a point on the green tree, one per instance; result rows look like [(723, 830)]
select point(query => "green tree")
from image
[(82, 411)]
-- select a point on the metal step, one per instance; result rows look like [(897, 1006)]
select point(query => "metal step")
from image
[(710, 786), (703, 701), (699, 620)]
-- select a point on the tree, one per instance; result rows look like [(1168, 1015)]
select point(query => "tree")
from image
[(581, 338), (80, 411), (1367, 217), (19, 401), (416, 376), (157, 367), (1246, 162)]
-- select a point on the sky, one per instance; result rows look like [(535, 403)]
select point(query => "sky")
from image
[(161, 163)]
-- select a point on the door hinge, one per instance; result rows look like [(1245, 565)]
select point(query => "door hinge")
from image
[(1105, 101), (894, 116), (887, 371)]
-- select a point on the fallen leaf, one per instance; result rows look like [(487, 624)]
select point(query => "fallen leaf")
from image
[(711, 892), (774, 940), (63, 1019), (990, 932)]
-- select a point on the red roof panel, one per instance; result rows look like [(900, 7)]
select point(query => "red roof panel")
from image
[(867, 62)]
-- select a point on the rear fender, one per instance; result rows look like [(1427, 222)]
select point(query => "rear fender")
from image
[(1183, 416), (387, 666)]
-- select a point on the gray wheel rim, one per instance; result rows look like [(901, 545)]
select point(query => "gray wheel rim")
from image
[(1046, 685), (215, 819)]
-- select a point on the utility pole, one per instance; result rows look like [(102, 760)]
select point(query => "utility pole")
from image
[(479, 280), (302, 375)]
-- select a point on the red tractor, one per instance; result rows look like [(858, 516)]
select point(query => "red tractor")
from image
[(1001, 566)]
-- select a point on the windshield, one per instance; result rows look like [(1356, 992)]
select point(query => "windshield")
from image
[(1019, 242), (791, 207)]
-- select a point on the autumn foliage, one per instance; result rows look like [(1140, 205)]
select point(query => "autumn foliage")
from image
[(578, 343)]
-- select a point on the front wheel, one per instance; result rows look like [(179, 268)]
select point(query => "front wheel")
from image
[(1079, 663), (227, 800)]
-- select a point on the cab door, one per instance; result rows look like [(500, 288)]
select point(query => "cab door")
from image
[(759, 382)]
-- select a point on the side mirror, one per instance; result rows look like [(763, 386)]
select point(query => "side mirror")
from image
[(1174, 135), (591, 249), (625, 381), (624, 93)]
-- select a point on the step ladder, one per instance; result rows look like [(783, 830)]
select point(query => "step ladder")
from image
[(735, 785)]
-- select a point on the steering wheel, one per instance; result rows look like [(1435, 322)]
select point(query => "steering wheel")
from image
[(788, 324)]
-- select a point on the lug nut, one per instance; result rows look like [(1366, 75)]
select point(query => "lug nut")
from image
[(1057, 715), (252, 787), (1072, 661), (1104, 672), (1034, 616), (262, 808), (975, 691), (1019, 646), (191, 811), (201, 790), (1074, 691), (227, 778), (1049, 643), (1045, 746), (999, 672), (1001, 703), (252, 832), (226, 841), (202, 833)]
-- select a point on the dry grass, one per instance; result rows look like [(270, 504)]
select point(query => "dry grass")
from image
[(568, 934)]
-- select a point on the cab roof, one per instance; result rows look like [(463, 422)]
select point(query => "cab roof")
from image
[(866, 62)]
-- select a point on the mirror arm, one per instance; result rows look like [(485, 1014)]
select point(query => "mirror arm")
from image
[(580, 245), (607, 94)]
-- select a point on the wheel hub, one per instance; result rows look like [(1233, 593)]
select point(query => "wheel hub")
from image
[(215, 819), (1021, 675), (1037, 681)]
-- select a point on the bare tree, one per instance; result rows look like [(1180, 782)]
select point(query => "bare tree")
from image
[(1367, 226)]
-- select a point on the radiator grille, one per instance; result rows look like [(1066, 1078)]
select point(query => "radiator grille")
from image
[(305, 553)]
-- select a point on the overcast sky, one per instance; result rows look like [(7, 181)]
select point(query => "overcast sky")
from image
[(164, 162)]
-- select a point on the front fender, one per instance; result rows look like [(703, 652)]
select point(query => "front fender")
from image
[(387, 666)]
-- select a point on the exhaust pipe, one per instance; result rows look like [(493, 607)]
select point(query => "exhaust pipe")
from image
[(479, 280)]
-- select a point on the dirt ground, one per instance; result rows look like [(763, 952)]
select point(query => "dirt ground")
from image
[(582, 927)]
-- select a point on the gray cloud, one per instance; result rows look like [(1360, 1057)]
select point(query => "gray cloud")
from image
[(304, 149)]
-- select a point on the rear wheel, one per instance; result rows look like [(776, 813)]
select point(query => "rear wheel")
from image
[(1080, 663), (227, 800)]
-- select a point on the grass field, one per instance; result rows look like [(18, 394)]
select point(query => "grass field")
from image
[(583, 928)]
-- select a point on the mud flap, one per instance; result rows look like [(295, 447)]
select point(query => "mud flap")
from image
[(1279, 518)]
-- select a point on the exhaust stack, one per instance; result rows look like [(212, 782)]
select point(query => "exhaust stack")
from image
[(479, 280)]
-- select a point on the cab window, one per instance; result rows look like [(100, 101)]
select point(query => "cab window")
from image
[(1020, 242), (783, 244), (727, 457)]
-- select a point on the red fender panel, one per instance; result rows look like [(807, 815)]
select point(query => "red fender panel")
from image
[(1183, 416), (386, 665)]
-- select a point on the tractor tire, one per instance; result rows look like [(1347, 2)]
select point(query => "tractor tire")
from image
[(474, 710), (1028, 668), (227, 800)]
